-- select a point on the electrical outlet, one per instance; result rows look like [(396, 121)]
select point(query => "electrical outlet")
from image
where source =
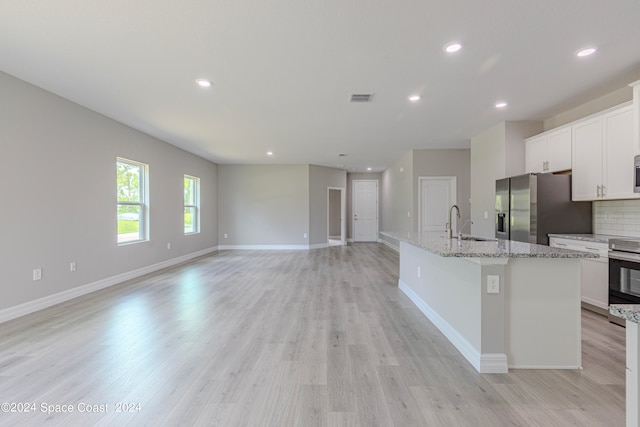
[(305, 235), (486, 215), (37, 273), (419, 272), (169, 245), (226, 235), (409, 214), (72, 266), (493, 284)]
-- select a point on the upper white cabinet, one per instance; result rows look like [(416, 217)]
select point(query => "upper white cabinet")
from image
[(549, 152), (603, 150)]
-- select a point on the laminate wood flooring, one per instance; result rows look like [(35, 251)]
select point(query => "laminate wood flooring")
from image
[(282, 338)]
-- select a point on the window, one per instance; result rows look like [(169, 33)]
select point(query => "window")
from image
[(191, 204), (132, 201)]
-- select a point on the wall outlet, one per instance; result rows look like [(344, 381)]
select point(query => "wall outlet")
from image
[(419, 272), (409, 214), (226, 235), (486, 215), (493, 284), (72, 266), (169, 245), (37, 273), (305, 235)]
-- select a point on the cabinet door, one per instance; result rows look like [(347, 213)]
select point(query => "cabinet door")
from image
[(587, 159), (559, 150), (618, 155), (536, 154)]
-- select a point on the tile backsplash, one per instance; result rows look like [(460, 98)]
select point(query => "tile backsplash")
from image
[(617, 217)]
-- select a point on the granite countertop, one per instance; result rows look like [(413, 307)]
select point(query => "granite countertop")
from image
[(437, 243), (597, 238), (630, 312)]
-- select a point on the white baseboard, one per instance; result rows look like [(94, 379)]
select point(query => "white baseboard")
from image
[(51, 300), (394, 247), (350, 240), (484, 363)]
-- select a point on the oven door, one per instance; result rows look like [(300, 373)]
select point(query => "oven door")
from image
[(624, 280)]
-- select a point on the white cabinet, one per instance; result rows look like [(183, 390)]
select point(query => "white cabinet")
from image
[(549, 152), (595, 271), (636, 116), (603, 149)]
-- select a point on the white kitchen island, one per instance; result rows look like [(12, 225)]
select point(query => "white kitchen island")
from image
[(631, 313), (531, 322)]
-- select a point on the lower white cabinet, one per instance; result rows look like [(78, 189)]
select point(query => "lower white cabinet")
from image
[(595, 271)]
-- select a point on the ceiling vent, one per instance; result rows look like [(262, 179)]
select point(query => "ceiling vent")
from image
[(361, 97)]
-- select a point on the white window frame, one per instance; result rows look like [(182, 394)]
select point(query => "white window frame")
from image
[(143, 216), (195, 206)]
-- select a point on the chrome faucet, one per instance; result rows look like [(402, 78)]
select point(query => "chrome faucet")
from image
[(449, 230)]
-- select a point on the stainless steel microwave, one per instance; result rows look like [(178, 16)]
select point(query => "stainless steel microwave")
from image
[(636, 174)]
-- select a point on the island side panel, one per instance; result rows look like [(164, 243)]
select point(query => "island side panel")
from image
[(448, 293), (542, 313)]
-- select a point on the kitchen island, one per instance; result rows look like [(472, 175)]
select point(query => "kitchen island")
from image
[(502, 304), (631, 313)]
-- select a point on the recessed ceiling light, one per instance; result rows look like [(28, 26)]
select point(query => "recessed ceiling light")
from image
[(414, 98), (269, 153), (586, 52), (452, 47), (203, 82), (501, 104), (368, 169)]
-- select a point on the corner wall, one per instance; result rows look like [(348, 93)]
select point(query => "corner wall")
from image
[(58, 182)]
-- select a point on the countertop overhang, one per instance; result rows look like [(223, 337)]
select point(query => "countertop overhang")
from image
[(438, 243)]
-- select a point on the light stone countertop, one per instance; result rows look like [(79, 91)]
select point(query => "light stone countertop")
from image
[(597, 238), (437, 243), (630, 312)]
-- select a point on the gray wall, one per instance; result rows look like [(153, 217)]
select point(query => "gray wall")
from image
[(263, 204), (397, 196), (356, 176), (444, 163), (320, 179), (58, 186), (496, 153)]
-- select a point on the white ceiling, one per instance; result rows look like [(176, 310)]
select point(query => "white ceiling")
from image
[(283, 70)]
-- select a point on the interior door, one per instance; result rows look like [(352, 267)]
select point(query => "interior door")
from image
[(437, 195), (365, 211)]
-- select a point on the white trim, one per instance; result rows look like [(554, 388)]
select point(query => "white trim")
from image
[(544, 367), (51, 300), (453, 193), (395, 248), (271, 247), (350, 240), (343, 214), (484, 363)]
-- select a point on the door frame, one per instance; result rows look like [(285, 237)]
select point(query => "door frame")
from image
[(353, 222), (343, 214), (453, 194)]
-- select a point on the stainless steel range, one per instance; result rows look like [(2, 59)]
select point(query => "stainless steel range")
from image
[(624, 273)]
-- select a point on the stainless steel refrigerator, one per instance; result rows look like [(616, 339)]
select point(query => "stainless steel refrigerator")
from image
[(532, 206)]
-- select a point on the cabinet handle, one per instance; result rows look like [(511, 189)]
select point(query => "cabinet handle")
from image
[(604, 191), (598, 192)]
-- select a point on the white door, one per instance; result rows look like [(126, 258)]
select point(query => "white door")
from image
[(365, 211), (437, 195)]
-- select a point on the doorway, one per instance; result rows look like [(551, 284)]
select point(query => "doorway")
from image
[(365, 210), (336, 212), (437, 195)]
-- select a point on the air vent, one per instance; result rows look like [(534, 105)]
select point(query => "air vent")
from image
[(361, 97)]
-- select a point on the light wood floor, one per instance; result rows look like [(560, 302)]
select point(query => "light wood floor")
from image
[(287, 338)]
